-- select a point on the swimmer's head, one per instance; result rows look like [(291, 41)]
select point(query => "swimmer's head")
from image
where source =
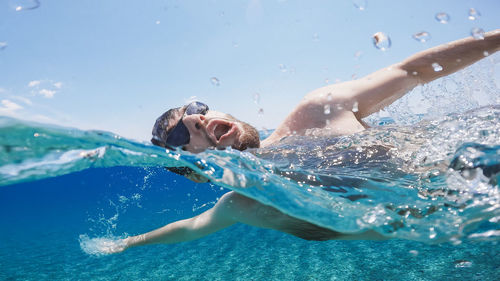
[(195, 128)]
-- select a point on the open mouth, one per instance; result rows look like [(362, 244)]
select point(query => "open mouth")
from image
[(220, 130)]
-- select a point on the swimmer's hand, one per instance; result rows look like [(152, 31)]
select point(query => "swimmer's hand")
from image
[(113, 246), (103, 246)]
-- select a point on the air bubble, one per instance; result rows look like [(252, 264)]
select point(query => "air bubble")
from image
[(235, 44), (413, 253), (22, 5), (355, 107), (260, 112), (381, 41), (474, 14), (422, 36), (443, 18), (485, 53), (157, 22), (358, 54), (315, 37), (432, 233), (283, 68), (256, 98), (326, 109), (327, 81), (3, 45), (477, 33), (437, 67), (462, 263), (215, 81), (359, 4)]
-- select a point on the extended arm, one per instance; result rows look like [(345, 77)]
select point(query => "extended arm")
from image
[(381, 88), (197, 227)]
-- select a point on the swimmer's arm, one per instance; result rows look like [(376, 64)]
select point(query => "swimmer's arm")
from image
[(197, 227), (381, 88)]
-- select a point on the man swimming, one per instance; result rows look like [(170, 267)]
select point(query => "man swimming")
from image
[(195, 128)]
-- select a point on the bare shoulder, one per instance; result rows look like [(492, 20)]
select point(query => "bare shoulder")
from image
[(329, 110)]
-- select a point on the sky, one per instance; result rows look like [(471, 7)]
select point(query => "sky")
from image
[(117, 65)]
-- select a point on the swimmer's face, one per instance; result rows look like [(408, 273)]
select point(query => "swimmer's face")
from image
[(210, 129)]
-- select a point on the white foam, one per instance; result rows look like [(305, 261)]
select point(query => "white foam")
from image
[(101, 245)]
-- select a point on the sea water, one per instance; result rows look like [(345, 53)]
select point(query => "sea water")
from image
[(427, 179)]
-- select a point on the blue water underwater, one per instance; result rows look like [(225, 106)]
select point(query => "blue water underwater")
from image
[(430, 185)]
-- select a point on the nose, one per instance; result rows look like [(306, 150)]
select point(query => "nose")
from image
[(197, 120)]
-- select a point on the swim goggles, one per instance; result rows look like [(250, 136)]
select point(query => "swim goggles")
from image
[(179, 135)]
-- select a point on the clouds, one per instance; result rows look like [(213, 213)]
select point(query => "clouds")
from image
[(45, 88), (9, 107), (35, 101), (34, 83), (47, 93)]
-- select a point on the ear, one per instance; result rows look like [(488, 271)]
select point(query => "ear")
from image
[(197, 177)]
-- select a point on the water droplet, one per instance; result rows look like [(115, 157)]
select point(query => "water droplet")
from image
[(326, 109), (157, 22), (422, 36), (477, 33), (474, 14), (359, 4), (437, 67), (315, 37), (256, 98), (22, 5), (381, 41), (282, 68), (3, 45), (329, 97), (355, 107), (485, 53), (215, 81), (442, 18), (260, 112)]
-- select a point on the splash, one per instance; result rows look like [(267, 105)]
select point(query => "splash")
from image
[(101, 246), (422, 176)]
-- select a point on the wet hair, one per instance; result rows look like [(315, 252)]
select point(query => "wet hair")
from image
[(159, 132)]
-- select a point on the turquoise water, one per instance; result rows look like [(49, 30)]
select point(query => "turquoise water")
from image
[(62, 187), (429, 181)]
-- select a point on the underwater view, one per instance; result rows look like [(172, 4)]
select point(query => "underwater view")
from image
[(78, 169)]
